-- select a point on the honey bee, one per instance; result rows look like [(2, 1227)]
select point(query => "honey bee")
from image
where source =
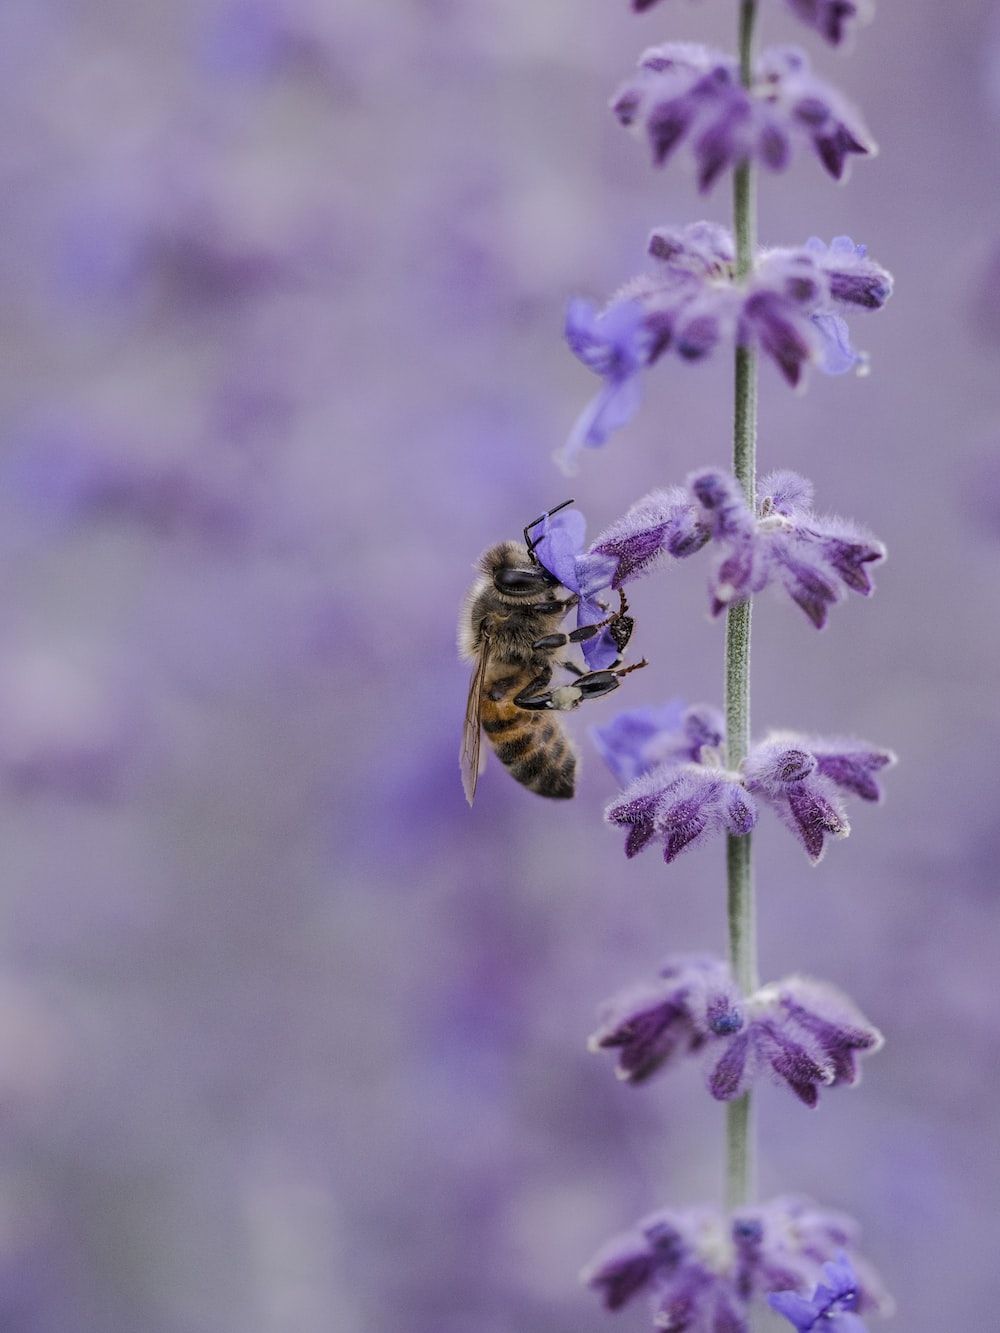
[(510, 630)]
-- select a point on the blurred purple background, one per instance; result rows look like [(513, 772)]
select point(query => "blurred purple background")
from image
[(290, 1040)]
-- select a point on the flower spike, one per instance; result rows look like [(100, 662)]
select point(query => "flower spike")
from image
[(704, 1270), (678, 794), (685, 93), (789, 307)]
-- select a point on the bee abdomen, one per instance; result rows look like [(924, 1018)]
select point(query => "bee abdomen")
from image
[(536, 750)]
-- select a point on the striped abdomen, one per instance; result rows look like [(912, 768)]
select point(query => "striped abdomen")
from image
[(533, 746)]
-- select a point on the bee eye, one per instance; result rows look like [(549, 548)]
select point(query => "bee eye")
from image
[(523, 580)]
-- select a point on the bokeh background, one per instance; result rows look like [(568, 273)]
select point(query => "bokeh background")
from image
[(290, 1040)]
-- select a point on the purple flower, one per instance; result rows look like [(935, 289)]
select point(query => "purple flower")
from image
[(681, 795), (704, 1270), (615, 345), (796, 104), (802, 1033), (854, 279), (832, 1305), (694, 1000), (663, 523), (689, 93), (684, 91), (788, 307), (678, 793), (832, 19), (813, 558), (561, 551), (623, 1268), (679, 806), (806, 1034), (799, 777)]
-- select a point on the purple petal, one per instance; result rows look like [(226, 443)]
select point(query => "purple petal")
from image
[(796, 1309), (562, 538), (837, 355), (613, 407), (787, 492), (773, 764), (648, 1035), (636, 808), (730, 1076), (781, 332), (740, 811), (661, 523), (791, 1062), (667, 125), (813, 816), (852, 766), (621, 1270)]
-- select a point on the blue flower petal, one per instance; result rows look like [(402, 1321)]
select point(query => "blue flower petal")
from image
[(837, 355)]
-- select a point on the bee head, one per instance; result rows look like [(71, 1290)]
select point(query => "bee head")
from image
[(515, 573)]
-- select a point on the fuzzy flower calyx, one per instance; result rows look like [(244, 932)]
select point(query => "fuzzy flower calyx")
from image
[(685, 93), (679, 794), (834, 20), (703, 1270), (802, 1033), (813, 558), (650, 1026), (801, 777), (691, 303)]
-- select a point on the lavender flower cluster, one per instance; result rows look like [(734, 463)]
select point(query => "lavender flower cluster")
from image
[(683, 779), (789, 308), (803, 1033), (814, 558), (702, 1269), (679, 793), (684, 93)]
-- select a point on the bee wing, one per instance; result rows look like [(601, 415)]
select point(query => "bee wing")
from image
[(472, 730)]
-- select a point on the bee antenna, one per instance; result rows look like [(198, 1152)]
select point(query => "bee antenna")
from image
[(530, 542)]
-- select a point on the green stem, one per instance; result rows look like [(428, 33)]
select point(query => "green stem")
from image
[(739, 865)]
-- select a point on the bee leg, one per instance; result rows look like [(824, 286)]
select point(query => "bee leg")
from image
[(549, 608), (532, 697), (591, 685), (620, 623)]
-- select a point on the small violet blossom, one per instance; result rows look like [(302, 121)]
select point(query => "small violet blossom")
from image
[(679, 793), (834, 20), (704, 1270), (561, 551), (813, 558), (804, 1033), (832, 1306), (694, 1000), (684, 92), (798, 776), (663, 523), (788, 308), (615, 345)]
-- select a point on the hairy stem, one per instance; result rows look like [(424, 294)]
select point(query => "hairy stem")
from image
[(739, 864)]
